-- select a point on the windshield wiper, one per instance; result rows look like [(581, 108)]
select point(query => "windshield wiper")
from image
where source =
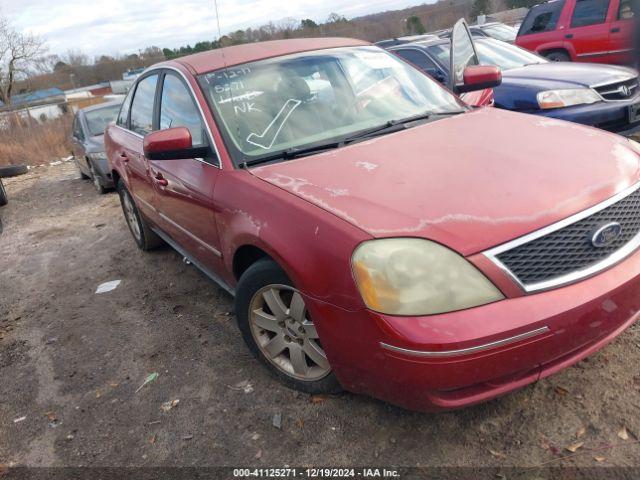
[(389, 127), (292, 153)]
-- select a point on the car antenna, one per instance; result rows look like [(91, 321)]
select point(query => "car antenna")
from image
[(224, 61)]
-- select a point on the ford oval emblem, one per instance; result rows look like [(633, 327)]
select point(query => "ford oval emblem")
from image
[(606, 234)]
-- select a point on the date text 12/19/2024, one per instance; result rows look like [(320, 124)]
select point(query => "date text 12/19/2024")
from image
[(315, 473)]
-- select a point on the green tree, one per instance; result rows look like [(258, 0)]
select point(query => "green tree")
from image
[(308, 23), (480, 7), (414, 26), (336, 18)]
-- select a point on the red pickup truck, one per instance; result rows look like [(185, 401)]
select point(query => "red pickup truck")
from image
[(598, 31)]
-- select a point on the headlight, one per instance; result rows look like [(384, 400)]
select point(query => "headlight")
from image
[(412, 276), (566, 98), (98, 156)]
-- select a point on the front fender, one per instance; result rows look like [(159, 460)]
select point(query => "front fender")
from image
[(557, 45), (313, 246)]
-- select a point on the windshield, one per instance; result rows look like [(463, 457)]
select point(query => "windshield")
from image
[(314, 97), (501, 32), (492, 52), (97, 120)]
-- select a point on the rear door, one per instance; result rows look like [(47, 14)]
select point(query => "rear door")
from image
[(588, 30), (621, 32), (184, 188)]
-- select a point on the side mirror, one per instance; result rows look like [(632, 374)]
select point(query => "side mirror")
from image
[(479, 77), (171, 144)]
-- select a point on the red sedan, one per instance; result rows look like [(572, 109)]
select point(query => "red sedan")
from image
[(379, 235)]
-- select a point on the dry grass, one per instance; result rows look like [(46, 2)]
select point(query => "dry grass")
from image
[(34, 142)]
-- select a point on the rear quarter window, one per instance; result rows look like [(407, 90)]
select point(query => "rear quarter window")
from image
[(542, 18)]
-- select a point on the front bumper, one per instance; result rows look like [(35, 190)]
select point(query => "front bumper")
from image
[(611, 116), (102, 168), (579, 319)]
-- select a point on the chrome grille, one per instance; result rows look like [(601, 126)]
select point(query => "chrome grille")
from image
[(619, 90), (568, 253)]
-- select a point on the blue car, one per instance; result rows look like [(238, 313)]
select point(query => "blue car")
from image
[(604, 96)]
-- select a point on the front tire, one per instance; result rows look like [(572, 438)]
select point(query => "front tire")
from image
[(558, 56), (277, 328), (145, 238)]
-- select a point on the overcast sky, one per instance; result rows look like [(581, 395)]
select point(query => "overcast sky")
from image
[(125, 26)]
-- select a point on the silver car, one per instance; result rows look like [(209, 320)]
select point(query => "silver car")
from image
[(88, 144)]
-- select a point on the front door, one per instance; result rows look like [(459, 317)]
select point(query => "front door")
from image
[(588, 30), (140, 124), (463, 54), (77, 145), (184, 188)]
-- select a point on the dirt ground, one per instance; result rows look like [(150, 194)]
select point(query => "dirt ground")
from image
[(72, 362)]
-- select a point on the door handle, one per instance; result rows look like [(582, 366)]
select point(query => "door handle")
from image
[(615, 29), (123, 156), (160, 180), (569, 35)]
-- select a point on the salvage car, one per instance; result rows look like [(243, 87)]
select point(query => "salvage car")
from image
[(603, 96), (87, 143), (379, 235)]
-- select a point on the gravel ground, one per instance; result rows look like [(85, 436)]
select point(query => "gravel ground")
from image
[(72, 363)]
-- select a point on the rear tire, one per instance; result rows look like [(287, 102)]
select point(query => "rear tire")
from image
[(13, 170), (145, 238), (3, 195), (278, 330), (558, 56)]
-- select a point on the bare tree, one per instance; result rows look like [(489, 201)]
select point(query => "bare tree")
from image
[(18, 52)]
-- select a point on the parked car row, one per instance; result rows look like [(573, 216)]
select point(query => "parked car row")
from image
[(604, 96), (378, 233)]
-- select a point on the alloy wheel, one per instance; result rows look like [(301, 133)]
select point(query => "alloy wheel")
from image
[(285, 335), (130, 214)]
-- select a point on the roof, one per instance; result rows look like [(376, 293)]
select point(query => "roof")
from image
[(99, 106), (251, 52), (35, 96)]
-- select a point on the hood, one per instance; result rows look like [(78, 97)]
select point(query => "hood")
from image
[(567, 75), (471, 181), (95, 144)]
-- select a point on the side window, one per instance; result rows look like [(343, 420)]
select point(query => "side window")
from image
[(177, 109), (625, 11), (589, 12), (142, 105), (123, 116), (542, 18), (419, 59)]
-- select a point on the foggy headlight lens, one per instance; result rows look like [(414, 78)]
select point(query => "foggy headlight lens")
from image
[(566, 98), (412, 276)]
